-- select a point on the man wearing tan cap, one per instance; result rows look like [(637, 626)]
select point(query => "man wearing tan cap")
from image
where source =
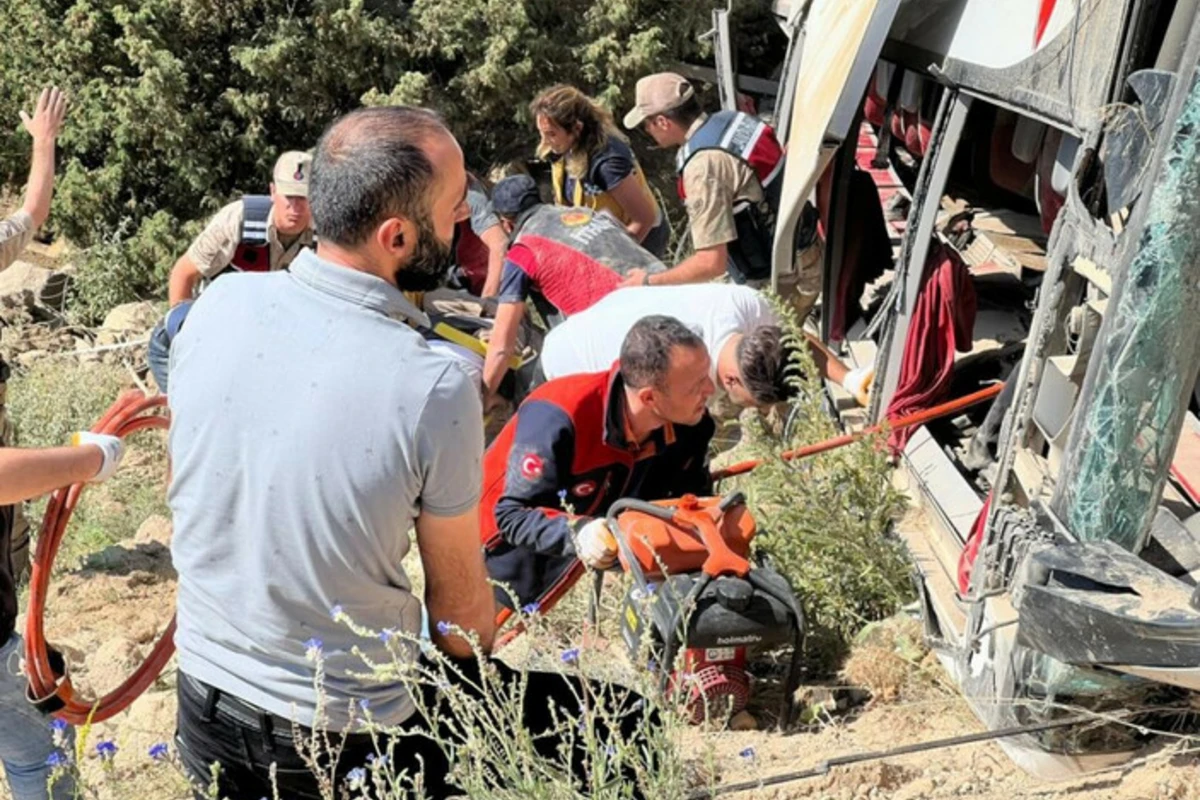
[(730, 169), (258, 233)]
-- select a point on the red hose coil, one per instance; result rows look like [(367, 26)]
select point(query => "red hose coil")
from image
[(132, 412)]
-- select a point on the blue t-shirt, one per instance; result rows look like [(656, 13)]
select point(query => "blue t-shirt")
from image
[(606, 170)]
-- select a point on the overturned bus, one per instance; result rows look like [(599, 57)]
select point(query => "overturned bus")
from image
[(1009, 194)]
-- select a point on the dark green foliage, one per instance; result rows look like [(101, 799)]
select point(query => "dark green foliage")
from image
[(181, 105)]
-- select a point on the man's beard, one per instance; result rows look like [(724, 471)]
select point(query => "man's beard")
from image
[(430, 263)]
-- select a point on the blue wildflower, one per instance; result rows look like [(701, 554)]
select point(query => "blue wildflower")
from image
[(610, 750), (364, 704), (532, 608), (376, 761), (443, 628), (357, 778), (570, 656), (747, 753), (159, 751), (58, 725), (386, 635), (56, 759), (335, 612), (106, 749), (313, 647)]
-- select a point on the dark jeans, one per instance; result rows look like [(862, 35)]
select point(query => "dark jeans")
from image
[(158, 354), (216, 727)]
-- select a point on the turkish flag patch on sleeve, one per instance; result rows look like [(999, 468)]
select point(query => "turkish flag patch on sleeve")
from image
[(532, 466)]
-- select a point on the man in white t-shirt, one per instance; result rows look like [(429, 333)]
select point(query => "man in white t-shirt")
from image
[(737, 324)]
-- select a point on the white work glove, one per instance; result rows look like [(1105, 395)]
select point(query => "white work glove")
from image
[(858, 383), (111, 447), (595, 545)]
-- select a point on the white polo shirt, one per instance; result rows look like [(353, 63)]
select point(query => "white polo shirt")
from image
[(310, 426), (590, 341)]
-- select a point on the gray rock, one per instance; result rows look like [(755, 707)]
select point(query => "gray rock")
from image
[(130, 320)]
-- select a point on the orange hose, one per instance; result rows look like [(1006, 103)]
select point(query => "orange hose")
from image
[(916, 418), (132, 412)]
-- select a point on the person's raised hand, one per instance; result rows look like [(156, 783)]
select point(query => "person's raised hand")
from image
[(47, 117)]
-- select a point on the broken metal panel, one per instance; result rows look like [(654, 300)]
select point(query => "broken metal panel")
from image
[(1172, 548), (1142, 372), (794, 27), (1096, 603), (1062, 74)]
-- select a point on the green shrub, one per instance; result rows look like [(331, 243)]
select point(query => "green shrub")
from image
[(179, 106), (58, 396), (128, 264), (828, 518)]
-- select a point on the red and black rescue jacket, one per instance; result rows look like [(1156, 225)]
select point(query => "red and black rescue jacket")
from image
[(566, 448)]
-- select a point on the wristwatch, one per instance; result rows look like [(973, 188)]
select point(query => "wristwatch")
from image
[(646, 279)]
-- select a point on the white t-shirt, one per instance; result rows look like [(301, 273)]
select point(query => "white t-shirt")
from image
[(590, 341)]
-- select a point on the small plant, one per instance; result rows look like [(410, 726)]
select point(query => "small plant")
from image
[(476, 709), (128, 264), (827, 519), (55, 397), (72, 752)]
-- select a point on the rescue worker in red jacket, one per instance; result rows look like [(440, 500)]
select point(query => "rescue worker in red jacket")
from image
[(579, 443), (258, 233), (730, 174), (564, 259)]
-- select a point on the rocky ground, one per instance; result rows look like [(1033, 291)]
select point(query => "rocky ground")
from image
[(35, 328), (106, 610)]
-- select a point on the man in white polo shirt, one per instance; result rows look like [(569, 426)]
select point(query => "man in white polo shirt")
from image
[(737, 324), (312, 428)]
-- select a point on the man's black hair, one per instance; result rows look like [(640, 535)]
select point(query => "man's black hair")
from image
[(686, 112), (646, 351), (369, 166), (763, 360)]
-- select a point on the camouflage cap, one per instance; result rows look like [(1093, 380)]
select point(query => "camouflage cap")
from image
[(292, 172)]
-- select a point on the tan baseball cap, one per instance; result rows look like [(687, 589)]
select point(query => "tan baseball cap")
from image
[(292, 171), (656, 94)]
